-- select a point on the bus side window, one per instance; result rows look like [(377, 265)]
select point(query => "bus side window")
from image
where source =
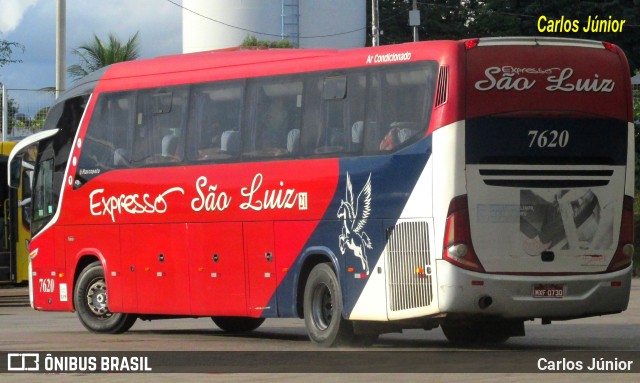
[(324, 115), (399, 101), (214, 121), (107, 141), (372, 132), (160, 121), (334, 114), (277, 111), (333, 137), (312, 119), (356, 93)]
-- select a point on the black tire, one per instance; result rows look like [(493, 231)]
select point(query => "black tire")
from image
[(237, 324), (323, 309), (475, 333), (90, 300)]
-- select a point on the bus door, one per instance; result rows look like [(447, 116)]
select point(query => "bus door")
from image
[(217, 269), (260, 255)]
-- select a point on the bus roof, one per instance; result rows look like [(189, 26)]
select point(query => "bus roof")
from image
[(212, 60), (230, 64)]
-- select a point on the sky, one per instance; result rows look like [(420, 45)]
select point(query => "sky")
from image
[(32, 23)]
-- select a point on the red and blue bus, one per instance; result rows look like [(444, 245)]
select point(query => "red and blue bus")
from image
[(473, 185)]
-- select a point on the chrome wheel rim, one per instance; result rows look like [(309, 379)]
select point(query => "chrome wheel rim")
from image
[(97, 299)]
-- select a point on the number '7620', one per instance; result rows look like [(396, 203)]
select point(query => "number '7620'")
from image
[(548, 138)]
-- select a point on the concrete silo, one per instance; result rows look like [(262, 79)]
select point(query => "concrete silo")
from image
[(306, 23)]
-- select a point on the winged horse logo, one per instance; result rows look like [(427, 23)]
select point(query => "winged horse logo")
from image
[(354, 216)]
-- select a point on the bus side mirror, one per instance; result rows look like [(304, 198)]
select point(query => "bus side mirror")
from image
[(14, 173)]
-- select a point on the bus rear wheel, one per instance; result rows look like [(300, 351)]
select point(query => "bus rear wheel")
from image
[(323, 309), (237, 324), (90, 301)]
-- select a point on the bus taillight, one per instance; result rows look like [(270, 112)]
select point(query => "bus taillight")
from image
[(457, 237), (472, 43), (609, 46), (624, 253)]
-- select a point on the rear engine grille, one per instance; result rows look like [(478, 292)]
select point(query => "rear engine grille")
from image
[(557, 178), (409, 279)]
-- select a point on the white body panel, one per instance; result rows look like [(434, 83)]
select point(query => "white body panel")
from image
[(630, 184), (512, 295), (448, 175), (458, 291), (504, 240), (427, 200)]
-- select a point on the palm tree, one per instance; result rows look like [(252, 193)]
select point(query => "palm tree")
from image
[(6, 49), (97, 54)]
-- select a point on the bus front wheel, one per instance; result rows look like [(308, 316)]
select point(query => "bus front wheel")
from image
[(90, 300), (323, 308)]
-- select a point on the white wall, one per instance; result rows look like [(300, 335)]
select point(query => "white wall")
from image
[(317, 18)]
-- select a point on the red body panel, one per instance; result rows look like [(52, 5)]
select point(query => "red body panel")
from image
[(261, 267), (217, 269), (546, 79), (160, 266)]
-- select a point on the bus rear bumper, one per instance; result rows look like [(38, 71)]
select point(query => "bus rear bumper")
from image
[(512, 296)]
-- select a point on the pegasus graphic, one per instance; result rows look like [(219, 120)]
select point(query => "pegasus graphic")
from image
[(354, 216)]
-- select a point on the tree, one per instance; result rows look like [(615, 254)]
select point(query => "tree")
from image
[(12, 116), (439, 19), (459, 19), (494, 18), (628, 40), (6, 50), (252, 41), (41, 115), (98, 54)]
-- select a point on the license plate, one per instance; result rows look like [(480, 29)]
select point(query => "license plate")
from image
[(548, 291)]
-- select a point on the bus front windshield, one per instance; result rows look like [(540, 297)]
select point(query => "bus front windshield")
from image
[(53, 155)]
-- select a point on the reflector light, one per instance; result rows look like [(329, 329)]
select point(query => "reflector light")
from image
[(477, 283), (616, 284), (469, 44), (609, 46)]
